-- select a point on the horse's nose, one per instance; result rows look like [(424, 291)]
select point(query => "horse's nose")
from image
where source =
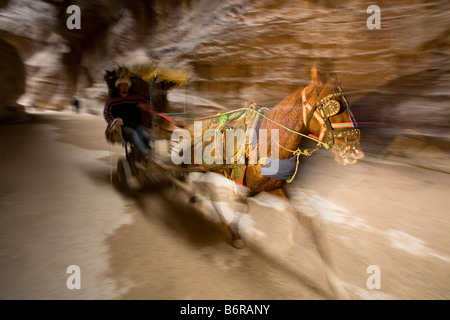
[(358, 153), (349, 155)]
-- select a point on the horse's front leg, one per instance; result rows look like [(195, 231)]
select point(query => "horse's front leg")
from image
[(311, 220)]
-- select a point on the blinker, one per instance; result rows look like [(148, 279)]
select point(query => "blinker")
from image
[(330, 108)]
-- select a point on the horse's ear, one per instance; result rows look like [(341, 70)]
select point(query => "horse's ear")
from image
[(316, 77)]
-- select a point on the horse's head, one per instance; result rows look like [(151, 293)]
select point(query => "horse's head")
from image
[(327, 116)]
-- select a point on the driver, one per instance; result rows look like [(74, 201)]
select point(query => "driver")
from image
[(124, 109)]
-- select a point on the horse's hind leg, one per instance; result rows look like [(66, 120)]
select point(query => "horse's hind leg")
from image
[(233, 226), (236, 239)]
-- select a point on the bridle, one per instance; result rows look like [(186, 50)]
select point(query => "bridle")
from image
[(324, 109)]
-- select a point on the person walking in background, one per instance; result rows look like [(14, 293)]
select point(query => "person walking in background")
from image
[(75, 105)]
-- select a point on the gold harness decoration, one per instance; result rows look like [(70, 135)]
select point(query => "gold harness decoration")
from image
[(245, 119)]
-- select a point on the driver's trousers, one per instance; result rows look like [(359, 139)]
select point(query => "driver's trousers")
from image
[(139, 136)]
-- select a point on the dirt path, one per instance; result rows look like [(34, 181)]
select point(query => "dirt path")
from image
[(60, 206)]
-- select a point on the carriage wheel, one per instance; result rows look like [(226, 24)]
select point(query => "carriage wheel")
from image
[(127, 182)]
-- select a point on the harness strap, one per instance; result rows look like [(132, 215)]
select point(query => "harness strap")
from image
[(312, 112)]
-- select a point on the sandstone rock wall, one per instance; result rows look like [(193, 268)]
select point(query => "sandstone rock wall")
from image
[(237, 50)]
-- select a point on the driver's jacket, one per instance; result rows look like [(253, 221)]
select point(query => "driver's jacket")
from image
[(124, 108)]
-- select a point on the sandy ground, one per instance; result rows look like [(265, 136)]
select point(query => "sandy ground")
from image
[(60, 205)]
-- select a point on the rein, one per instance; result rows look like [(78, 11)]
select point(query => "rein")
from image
[(326, 145), (249, 108), (321, 110)]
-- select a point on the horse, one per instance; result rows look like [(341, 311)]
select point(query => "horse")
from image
[(299, 111), (319, 111)]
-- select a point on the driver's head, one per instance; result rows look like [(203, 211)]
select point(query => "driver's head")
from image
[(123, 85)]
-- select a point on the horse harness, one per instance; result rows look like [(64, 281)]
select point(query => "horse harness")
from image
[(323, 110)]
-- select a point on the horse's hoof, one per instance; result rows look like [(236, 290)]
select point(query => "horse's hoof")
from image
[(238, 243)]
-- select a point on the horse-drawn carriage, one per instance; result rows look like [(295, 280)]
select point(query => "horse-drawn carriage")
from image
[(319, 112), (262, 159)]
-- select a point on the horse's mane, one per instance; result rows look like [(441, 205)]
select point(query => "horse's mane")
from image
[(291, 105), (289, 112), (331, 86), (295, 99)]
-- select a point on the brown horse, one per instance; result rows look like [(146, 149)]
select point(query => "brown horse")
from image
[(319, 110), (338, 130)]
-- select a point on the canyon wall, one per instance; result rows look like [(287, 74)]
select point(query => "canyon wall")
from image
[(237, 51)]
